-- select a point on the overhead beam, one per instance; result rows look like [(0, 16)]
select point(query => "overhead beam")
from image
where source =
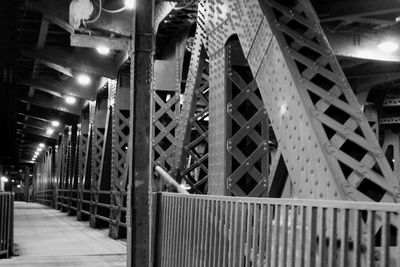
[(361, 45), (389, 121), (67, 61), (91, 41), (54, 103), (50, 116), (391, 102), (36, 132), (339, 10), (65, 87)]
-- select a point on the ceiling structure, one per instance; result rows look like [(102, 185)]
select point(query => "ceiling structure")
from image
[(42, 55)]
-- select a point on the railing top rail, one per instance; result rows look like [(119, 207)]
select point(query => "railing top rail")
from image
[(6, 193), (318, 203)]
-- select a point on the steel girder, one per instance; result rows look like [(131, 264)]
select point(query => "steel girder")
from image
[(329, 149), (119, 102), (191, 158)]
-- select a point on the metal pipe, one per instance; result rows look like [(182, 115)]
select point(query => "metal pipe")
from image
[(170, 180)]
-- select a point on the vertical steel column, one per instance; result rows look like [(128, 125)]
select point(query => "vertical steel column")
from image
[(83, 129), (98, 142), (139, 224), (120, 135)]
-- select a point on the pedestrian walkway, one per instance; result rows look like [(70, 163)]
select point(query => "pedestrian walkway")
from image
[(47, 237)]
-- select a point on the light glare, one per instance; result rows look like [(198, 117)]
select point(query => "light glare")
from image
[(49, 131), (4, 179), (388, 46), (130, 4), (41, 145), (83, 79), (55, 123), (70, 100), (103, 50)]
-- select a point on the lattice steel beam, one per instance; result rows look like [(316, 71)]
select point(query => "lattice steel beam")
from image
[(329, 148)]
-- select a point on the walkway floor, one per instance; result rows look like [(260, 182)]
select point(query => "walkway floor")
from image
[(47, 237)]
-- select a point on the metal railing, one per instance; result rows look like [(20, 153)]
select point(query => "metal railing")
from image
[(6, 224), (81, 202), (195, 230)]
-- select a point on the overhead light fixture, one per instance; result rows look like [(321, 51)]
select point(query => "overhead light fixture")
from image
[(18, 186), (39, 149), (83, 79), (70, 100), (55, 123), (129, 4), (36, 153), (4, 179), (388, 46), (41, 145), (103, 50), (49, 131)]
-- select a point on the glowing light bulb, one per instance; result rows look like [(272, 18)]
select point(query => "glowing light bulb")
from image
[(70, 100), (55, 123), (83, 79), (41, 145), (49, 131), (130, 4), (103, 50)]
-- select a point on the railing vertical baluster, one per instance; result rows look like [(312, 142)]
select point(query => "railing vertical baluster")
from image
[(256, 234), (276, 222), (371, 239), (332, 239), (165, 231), (292, 244), (232, 208), (270, 214), (185, 220), (284, 237), (385, 238), (263, 227), (236, 233), (190, 232), (357, 238), (322, 237), (2, 219), (169, 242), (344, 237), (226, 237), (241, 233), (175, 233), (209, 220), (247, 243), (195, 234)]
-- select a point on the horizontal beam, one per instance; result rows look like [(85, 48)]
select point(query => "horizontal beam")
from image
[(36, 132), (69, 62), (340, 10), (53, 103), (389, 121), (391, 102), (65, 87), (91, 41), (44, 115), (361, 45)]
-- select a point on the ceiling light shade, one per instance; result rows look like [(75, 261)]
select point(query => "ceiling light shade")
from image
[(39, 149), (36, 153), (41, 145), (55, 123), (103, 50), (49, 131), (70, 100), (388, 46), (4, 179), (83, 79), (129, 4)]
